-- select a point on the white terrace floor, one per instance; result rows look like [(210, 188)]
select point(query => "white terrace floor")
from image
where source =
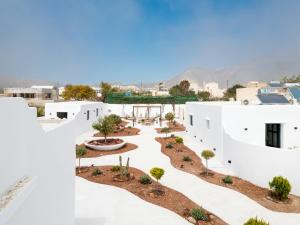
[(106, 205)]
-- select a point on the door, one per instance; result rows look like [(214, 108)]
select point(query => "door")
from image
[(273, 135)]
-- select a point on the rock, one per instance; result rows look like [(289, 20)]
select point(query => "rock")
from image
[(152, 195), (181, 166), (131, 176), (191, 220), (211, 216)]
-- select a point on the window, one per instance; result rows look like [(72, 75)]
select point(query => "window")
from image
[(97, 112), (62, 115), (191, 120), (207, 123), (273, 135), (88, 115)]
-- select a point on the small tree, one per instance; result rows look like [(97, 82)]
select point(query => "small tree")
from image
[(80, 152), (280, 187), (170, 117), (105, 126), (157, 173), (116, 119), (207, 155), (255, 221), (165, 130)]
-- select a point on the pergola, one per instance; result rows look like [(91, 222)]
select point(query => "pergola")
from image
[(148, 107)]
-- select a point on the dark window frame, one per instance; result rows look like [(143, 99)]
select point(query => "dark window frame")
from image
[(273, 135)]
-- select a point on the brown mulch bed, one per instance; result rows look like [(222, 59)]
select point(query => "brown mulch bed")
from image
[(126, 131), (173, 128), (90, 153), (256, 193), (154, 193)]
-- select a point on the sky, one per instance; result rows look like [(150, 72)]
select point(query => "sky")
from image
[(133, 41)]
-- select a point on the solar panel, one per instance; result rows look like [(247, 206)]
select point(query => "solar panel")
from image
[(272, 99)]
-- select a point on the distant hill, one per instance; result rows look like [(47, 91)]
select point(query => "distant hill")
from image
[(9, 81), (256, 70)]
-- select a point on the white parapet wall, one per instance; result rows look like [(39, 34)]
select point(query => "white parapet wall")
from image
[(44, 159), (70, 109), (126, 110), (237, 135)]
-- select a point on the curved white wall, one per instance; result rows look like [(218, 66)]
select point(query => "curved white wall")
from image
[(245, 148), (259, 164)]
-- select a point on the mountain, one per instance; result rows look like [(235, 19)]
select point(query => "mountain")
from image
[(263, 70), (10, 81)]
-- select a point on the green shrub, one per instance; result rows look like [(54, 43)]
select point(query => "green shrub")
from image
[(255, 221), (198, 214), (116, 119), (179, 140), (40, 111), (227, 180), (115, 169), (157, 173), (165, 130), (280, 187), (169, 145), (186, 158), (129, 127), (145, 179), (97, 172)]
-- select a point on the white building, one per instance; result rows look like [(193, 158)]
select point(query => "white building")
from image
[(213, 88), (37, 169), (127, 87), (257, 142), (247, 94), (69, 110), (33, 93), (97, 90)]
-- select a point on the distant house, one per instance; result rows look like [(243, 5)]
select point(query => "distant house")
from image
[(34, 92)]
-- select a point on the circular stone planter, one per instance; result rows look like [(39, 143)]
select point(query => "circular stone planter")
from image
[(104, 147)]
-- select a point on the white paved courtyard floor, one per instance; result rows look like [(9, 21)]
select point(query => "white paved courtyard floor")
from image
[(98, 204)]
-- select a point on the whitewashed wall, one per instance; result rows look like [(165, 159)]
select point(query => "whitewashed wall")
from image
[(245, 148), (46, 157), (259, 164), (72, 108), (207, 137), (254, 117)]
